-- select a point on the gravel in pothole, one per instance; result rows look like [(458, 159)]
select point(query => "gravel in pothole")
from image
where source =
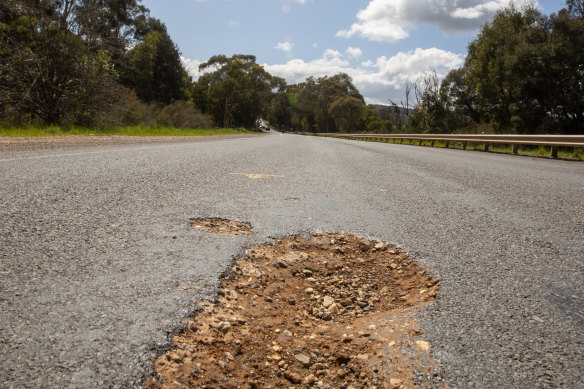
[(330, 311), (222, 226)]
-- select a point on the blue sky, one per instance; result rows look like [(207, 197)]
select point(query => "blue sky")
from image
[(381, 44)]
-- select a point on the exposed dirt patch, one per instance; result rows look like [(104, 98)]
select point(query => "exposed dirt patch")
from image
[(332, 311), (222, 226)]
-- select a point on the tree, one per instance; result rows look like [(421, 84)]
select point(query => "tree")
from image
[(563, 81), (106, 25), (280, 108), (315, 97), (526, 70), (400, 112), (372, 120), (49, 72), (154, 69), (460, 101), (430, 112), (503, 68), (58, 59), (575, 9), (347, 112), (235, 91)]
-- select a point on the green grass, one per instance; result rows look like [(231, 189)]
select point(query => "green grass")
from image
[(128, 131)]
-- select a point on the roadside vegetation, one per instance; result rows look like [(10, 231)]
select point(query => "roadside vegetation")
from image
[(107, 65)]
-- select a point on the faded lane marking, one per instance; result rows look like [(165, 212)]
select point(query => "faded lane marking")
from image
[(258, 176)]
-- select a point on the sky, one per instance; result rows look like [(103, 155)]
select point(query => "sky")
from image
[(381, 44)]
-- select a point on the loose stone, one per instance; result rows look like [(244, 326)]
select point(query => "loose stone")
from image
[(303, 358)]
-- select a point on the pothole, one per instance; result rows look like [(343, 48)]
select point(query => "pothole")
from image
[(329, 311), (222, 226)]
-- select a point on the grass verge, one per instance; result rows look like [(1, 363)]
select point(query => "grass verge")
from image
[(127, 131)]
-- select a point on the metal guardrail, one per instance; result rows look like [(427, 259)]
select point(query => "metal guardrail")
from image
[(552, 141)]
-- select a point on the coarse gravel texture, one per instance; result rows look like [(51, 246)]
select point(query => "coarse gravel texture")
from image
[(92, 282), (327, 311)]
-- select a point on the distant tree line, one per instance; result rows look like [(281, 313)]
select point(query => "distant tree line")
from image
[(107, 62)]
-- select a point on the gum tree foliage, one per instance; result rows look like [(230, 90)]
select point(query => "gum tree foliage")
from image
[(347, 112), (315, 97), (524, 73), (280, 109), (65, 61), (153, 68), (565, 97), (504, 64), (372, 119), (235, 91), (459, 100), (431, 112), (47, 70)]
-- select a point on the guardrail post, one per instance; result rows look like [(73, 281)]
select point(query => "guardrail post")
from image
[(515, 149), (464, 145), (486, 147), (447, 143), (554, 152), (420, 142), (432, 144)]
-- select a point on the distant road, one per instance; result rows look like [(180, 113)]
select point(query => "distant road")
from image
[(92, 281)]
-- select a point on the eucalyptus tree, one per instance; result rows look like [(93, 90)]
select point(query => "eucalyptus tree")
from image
[(153, 68), (316, 95), (56, 57), (235, 90)]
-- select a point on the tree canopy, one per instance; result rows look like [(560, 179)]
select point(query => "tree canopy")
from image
[(235, 91), (524, 73), (68, 61)]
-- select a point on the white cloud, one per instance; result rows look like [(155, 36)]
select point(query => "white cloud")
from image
[(192, 67), (353, 52), (377, 81), (376, 30), (388, 20), (284, 46), (233, 24)]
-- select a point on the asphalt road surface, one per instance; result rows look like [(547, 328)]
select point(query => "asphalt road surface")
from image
[(92, 281)]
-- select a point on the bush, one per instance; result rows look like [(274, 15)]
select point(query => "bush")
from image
[(181, 114), (131, 111)]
